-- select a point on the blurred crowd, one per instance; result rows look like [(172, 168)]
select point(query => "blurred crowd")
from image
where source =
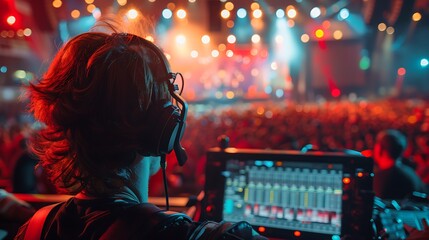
[(326, 126)]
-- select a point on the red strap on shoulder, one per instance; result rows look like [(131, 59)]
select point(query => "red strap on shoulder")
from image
[(36, 223)]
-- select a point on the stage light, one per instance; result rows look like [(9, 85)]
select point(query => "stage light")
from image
[(284, 42), (231, 39), (326, 24), (221, 47), (335, 92), (229, 53), (344, 14), (424, 62), (241, 13), (364, 63), (132, 14), (122, 2), (401, 71), (417, 17), (257, 24), (20, 74), (338, 34), (319, 33), (390, 30), (150, 38), (90, 8), (278, 39), (167, 13), (291, 13), (75, 13), (230, 95), (3, 69), (20, 33), (89, 1), (257, 13), (27, 32), (229, 6), (305, 38), (230, 24), (57, 3), (254, 72), (205, 39), (280, 13), (381, 27), (215, 53), (256, 38), (279, 93), (170, 5), (315, 12), (274, 66), (254, 6), (225, 14), (181, 13), (10, 33), (254, 51), (194, 53), (180, 39), (96, 13), (11, 20)]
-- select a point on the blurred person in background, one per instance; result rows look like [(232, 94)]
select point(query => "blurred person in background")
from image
[(393, 179)]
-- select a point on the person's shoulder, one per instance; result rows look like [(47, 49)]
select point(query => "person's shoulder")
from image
[(149, 221)]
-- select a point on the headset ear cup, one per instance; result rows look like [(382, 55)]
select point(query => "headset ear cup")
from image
[(163, 125), (171, 121)]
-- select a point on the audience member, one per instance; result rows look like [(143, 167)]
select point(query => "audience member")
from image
[(393, 179)]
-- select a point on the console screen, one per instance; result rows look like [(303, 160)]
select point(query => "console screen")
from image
[(305, 196)]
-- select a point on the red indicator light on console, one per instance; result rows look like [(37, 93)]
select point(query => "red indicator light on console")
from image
[(297, 234), (346, 180), (209, 208), (261, 229), (360, 174)]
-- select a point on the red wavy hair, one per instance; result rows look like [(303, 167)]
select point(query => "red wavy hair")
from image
[(93, 101)]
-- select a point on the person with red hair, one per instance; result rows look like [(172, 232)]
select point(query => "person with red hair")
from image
[(109, 119)]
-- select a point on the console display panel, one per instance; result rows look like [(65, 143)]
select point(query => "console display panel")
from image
[(290, 194), (293, 195)]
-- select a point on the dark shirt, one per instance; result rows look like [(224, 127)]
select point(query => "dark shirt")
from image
[(397, 182), (113, 219)]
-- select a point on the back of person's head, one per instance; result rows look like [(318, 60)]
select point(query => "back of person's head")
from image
[(94, 100), (392, 141)]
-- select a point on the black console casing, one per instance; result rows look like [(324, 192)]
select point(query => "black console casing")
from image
[(356, 200)]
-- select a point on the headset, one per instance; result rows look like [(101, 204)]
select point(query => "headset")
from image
[(166, 121)]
